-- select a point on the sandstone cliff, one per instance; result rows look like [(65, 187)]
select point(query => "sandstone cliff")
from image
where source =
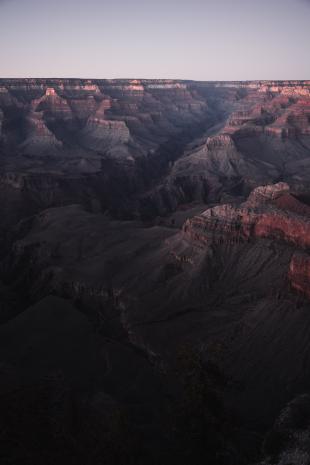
[(271, 212)]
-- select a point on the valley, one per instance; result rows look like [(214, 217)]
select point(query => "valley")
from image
[(154, 269)]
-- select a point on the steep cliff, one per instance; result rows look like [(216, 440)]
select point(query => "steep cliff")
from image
[(299, 273), (271, 212), (264, 214)]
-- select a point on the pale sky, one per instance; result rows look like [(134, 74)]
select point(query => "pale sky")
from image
[(197, 39)]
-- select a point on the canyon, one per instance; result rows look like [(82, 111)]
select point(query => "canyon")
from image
[(154, 271)]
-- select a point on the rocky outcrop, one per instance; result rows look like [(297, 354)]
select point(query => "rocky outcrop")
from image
[(266, 194), (53, 106), (102, 134), (39, 138), (299, 273), (270, 212), (290, 202), (258, 217), (219, 141), (83, 108)]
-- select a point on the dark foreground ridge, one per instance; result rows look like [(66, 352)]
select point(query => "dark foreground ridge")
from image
[(154, 272)]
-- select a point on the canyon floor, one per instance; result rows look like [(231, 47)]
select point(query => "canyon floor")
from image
[(154, 272)]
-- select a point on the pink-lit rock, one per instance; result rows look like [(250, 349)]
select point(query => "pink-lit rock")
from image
[(299, 273), (262, 216)]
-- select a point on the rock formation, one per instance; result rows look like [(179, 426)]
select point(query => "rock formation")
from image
[(39, 138), (264, 214), (271, 212), (299, 273)]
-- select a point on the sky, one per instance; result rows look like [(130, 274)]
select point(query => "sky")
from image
[(197, 39)]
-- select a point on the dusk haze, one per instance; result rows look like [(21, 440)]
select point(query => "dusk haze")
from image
[(198, 39)]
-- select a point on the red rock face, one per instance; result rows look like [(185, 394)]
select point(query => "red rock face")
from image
[(270, 212), (291, 203), (284, 227), (265, 214), (299, 273)]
